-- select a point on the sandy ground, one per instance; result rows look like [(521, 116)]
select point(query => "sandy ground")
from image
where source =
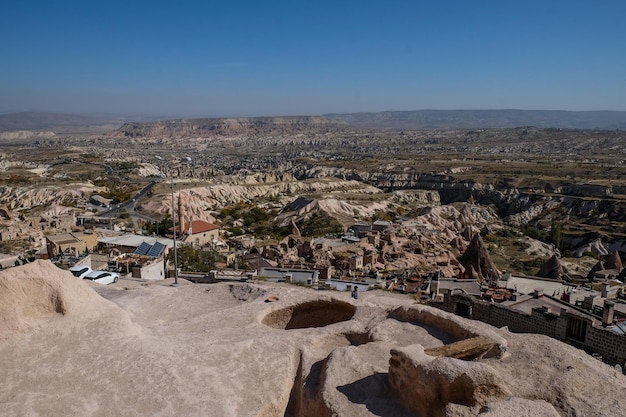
[(73, 348)]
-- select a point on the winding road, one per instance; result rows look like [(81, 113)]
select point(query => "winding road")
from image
[(129, 205)]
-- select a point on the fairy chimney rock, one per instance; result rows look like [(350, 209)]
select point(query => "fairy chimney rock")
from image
[(613, 261), (294, 229), (477, 257), (552, 269)]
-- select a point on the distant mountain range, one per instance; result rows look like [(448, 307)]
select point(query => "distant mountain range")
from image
[(247, 126), (29, 120), (472, 119), (419, 119)]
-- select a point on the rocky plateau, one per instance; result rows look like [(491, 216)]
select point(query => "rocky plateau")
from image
[(69, 347)]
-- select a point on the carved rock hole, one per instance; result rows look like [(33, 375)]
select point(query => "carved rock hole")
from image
[(310, 314)]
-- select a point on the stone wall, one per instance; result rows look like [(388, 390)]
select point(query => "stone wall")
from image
[(611, 346), (597, 339)]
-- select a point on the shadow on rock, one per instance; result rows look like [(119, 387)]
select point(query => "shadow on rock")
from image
[(373, 392)]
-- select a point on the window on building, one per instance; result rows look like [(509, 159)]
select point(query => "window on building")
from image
[(576, 329), (463, 310)]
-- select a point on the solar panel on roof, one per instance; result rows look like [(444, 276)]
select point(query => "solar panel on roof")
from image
[(142, 249), (156, 250), (620, 328)]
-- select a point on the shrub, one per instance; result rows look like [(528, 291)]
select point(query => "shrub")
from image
[(320, 224)]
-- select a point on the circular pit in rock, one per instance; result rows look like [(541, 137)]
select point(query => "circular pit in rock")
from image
[(310, 314)]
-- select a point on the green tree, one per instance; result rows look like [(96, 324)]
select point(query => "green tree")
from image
[(195, 259), (160, 228), (320, 224), (535, 233)]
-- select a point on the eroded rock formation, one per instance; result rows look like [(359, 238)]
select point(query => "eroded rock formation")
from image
[(552, 269), (223, 350), (477, 262), (228, 127)]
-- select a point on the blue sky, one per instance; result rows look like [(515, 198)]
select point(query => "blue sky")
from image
[(204, 58)]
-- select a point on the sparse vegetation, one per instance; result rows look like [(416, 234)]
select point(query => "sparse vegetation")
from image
[(527, 165), (14, 246), (254, 220), (320, 224), (527, 266), (195, 259), (536, 233), (160, 228)]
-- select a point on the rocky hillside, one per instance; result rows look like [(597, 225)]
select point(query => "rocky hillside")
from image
[(263, 349), (200, 200), (450, 119), (587, 211), (27, 198), (229, 127), (26, 134)]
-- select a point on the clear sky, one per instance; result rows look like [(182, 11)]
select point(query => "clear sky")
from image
[(209, 58)]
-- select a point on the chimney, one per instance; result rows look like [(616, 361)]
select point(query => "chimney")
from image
[(607, 313), (605, 289), (436, 290), (588, 301), (538, 293)]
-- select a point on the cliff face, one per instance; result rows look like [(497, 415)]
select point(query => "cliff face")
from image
[(229, 127), (26, 134), (598, 210), (518, 205)]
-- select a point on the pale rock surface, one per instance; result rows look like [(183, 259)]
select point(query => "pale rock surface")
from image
[(538, 248), (27, 134), (525, 216), (596, 247), (304, 208), (28, 197), (198, 200), (519, 407), (75, 348)]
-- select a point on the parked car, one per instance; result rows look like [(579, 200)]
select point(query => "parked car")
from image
[(102, 277), (79, 271)]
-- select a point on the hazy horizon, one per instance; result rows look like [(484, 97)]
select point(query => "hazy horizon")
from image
[(154, 116), (267, 59)]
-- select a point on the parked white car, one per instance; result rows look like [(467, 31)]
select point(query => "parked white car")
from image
[(102, 277), (79, 271)]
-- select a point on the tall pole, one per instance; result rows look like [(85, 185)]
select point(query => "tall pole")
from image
[(173, 213), (174, 224)]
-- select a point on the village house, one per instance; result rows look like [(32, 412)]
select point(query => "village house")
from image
[(355, 262), (70, 243), (381, 226), (253, 261), (128, 243), (591, 317), (199, 233), (370, 258), (291, 275), (61, 222), (146, 262), (361, 229), (600, 333)]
